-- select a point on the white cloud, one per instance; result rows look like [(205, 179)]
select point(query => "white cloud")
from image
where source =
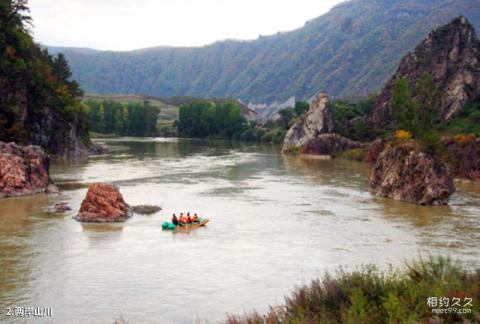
[(133, 24)]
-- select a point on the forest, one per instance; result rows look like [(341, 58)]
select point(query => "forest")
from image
[(38, 100), (132, 119)]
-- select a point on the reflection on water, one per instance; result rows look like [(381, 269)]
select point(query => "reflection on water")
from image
[(276, 222)]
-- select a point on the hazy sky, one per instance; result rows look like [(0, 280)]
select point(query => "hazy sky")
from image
[(133, 24)]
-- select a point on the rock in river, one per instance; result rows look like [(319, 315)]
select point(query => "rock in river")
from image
[(103, 204), (403, 172), (329, 144), (317, 120), (24, 170)]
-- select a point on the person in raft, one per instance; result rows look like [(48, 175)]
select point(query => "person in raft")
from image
[(174, 220), (189, 219), (182, 218), (195, 218)]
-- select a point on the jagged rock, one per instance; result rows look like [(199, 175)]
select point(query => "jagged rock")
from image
[(103, 204), (329, 144), (464, 156), (403, 172), (317, 120), (451, 55), (61, 207), (146, 209), (374, 150), (24, 170)]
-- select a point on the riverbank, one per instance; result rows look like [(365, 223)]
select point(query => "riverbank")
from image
[(436, 290)]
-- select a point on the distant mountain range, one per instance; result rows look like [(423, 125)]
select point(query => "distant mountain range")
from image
[(350, 51)]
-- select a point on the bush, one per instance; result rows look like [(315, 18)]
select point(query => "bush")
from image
[(373, 296), (403, 135)]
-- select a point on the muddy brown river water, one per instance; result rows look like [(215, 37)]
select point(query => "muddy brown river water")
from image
[(276, 222)]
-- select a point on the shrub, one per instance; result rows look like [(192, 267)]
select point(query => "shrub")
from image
[(373, 296), (403, 135), (464, 139)]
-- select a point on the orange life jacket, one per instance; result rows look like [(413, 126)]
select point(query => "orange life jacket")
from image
[(194, 218)]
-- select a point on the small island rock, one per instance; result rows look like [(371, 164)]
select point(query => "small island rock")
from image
[(103, 204), (317, 120), (403, 172)]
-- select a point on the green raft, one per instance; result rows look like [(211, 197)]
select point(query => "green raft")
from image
[(166, 226)]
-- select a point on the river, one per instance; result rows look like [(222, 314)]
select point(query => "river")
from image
[(276, 222)]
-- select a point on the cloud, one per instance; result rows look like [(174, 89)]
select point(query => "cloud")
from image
[(132, 24)]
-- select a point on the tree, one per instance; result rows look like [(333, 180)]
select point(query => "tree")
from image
[(301, 107), (427, 101), (205, 119), (61, 68), (417, 115), (404, 110)]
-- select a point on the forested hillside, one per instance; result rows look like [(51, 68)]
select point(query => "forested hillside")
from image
[(350, 51), (38, 100)]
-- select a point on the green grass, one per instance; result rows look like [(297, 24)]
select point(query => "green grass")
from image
[(373, 296)]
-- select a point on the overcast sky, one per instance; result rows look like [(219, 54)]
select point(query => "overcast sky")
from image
[(134, 24)]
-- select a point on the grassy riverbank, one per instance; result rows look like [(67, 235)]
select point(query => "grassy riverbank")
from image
[(418, 293)]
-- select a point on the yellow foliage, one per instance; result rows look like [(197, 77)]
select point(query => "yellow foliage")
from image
[(403, 135), (464, 139)]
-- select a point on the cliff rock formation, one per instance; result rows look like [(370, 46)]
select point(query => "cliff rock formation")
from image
[(404, 173), (103, 204), (317, 120), (464, 156), (24, 170), (39, 102), (451, 55)]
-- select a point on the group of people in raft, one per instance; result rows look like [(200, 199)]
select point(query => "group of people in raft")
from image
[(184, 219)]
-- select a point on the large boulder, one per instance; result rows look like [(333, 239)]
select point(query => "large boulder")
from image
[(329, 144), (403, 172), (24, 170), (103, 204), (464, 156), (317, 120), (451, 55), (374, 150)]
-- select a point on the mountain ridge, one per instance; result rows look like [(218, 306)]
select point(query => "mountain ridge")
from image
[(350, 51)]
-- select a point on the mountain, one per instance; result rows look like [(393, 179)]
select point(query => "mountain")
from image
[(350, 51), (450, 54), (38, 101)]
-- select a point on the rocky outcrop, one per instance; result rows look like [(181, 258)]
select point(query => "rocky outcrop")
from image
[(451, 55), (329, 144), (374, 150), (24, 170), (403, 172), (464, 156), (103, 204), (316, 121)]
